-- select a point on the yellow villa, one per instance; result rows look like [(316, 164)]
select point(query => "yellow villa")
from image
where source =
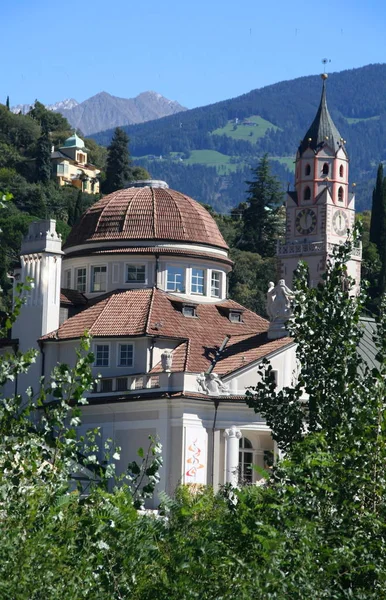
[(70, 166)]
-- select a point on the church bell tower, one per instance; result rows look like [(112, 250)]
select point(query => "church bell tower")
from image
[(321, 208)]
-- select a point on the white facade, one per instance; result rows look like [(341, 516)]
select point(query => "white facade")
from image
[(191, 427), (205, 427)]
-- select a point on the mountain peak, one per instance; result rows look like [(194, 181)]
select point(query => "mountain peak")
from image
[(104, 111)]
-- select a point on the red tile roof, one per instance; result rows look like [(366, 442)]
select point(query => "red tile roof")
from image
[(72, 297), (146, 214), (154, 312)]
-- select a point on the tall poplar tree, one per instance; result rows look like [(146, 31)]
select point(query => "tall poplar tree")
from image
[(118, 162), (377, 210), (43, 157)]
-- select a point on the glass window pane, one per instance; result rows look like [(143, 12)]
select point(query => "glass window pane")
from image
[(67, 279), (197, 281), (175, 279), (136, 274), (98, 279), (215, 284), (80, 283), (126, 355), (102, 355)]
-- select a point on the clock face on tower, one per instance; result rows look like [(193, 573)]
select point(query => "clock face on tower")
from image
[(340, 222), (305, 221)]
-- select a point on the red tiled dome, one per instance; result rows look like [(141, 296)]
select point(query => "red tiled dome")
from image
[(146, 213)]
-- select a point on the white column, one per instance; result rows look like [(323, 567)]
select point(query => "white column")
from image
[(232, 436)]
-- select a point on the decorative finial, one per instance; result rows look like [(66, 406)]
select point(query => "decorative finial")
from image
[(324, 75)]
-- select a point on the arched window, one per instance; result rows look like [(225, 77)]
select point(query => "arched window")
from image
[(341, 170), (340, 194), (308, 169), (245, 460), (325, 169), (307, 193)]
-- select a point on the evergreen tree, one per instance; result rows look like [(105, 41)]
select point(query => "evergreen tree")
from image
[(377, 210), (43, 158), (118, 162), (7, 103), (75, 209), (261, 222)]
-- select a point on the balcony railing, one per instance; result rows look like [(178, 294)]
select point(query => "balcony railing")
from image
[(118, 385), (130, 383), (301, 248)]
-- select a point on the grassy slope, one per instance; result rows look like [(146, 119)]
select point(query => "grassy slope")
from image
[(246, 132), (352, 121)]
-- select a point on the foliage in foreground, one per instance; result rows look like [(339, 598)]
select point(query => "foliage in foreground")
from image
[(316, 529)]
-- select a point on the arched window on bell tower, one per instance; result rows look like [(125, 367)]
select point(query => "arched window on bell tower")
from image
[(307, 193), (340, 194), (307, 170), (325, 169), (341, 171)]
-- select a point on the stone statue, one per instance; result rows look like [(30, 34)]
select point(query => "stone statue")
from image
[(279, 300), (279, 308), (222, 387), (212, 385), (166, 361), (201, 383), (269, 306)]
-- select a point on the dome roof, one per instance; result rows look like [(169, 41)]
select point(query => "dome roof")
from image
[(74, 141), (147, 213)]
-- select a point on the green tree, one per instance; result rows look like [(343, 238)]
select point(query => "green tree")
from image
[(371, 264), (261, 223), (7, 103), (118, 162), (377, 210), (47, 119), (43, 158), (249, 279)]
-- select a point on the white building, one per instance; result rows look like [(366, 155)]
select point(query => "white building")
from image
[(145, 272)]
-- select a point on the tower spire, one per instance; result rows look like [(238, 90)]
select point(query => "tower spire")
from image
[(322, 130)]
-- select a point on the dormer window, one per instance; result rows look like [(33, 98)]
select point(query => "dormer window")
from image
[(308, 170), (189, 310), (325, 169), (235, 316), (307, 193)]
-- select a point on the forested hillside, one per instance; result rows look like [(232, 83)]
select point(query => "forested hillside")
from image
[(26, 174), (223, 140)]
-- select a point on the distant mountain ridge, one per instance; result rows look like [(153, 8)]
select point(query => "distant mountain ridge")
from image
[(104, 111), (57, 107)]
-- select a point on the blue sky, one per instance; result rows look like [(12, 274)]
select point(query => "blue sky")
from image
[(194, 52)]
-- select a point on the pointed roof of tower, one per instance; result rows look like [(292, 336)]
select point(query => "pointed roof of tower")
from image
[(322, 130)]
